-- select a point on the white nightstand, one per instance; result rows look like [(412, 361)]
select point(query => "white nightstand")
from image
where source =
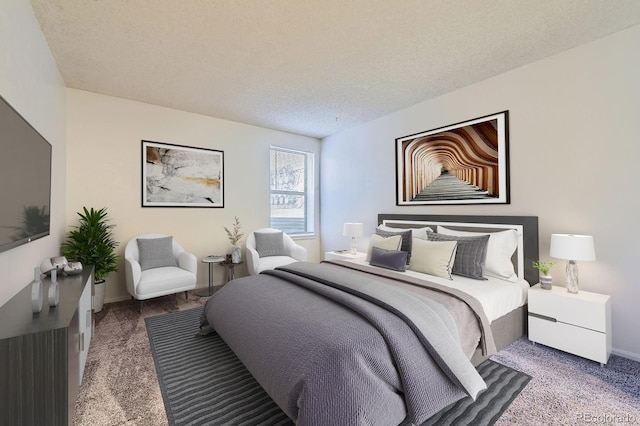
[(335, 255), (576, 323)]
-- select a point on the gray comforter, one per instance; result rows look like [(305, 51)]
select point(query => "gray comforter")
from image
[(335, 346)]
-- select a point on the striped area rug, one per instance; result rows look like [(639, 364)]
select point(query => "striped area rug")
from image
[(203, 382)]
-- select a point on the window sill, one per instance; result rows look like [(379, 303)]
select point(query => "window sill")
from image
[(309, 236)]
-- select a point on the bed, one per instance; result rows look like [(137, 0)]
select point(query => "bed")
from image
[(349, 343)]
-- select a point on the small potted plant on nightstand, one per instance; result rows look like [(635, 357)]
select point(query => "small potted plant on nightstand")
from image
[(545, 278)]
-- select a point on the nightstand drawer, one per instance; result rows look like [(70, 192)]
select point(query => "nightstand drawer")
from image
[(587, 310), (576, 340)]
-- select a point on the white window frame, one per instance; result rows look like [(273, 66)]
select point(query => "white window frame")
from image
[(309, 195)]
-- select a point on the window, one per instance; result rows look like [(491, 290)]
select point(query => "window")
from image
[(292, 191)]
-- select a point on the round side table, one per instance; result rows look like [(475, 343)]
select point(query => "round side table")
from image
[(211, 260), (230, 271)]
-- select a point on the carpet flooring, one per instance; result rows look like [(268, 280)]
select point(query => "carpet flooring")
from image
[(120, 385), (204, 383)]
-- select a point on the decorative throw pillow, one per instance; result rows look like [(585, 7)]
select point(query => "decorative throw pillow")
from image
[(155, 252), (433, 257), (405, 245), (415, 232), (390, 259), (391, 243), (270, 244), (500, 249), (470, 254)]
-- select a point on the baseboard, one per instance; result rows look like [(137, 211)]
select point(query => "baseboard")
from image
[(626, 354), (117, 299), (128, 296)]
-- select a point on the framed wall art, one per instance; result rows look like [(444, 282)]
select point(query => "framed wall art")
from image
[(463, 163), (181, 176)]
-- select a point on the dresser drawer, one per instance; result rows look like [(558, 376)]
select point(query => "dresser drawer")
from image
[(587, 310), (579, 341)]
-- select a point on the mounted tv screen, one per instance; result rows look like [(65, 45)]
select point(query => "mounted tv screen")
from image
[(25, 180)]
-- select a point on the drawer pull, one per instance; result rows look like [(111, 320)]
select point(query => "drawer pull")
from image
[(542, 317)]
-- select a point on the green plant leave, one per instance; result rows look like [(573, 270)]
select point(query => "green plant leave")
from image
[(92, 242)]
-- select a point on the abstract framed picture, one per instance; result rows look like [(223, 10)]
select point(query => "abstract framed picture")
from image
[(463, 163), (181, 176)]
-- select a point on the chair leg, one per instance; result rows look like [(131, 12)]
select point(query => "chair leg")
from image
[(186, 295), (141, 306)]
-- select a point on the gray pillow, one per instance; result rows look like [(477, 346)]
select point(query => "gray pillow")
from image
[(156, 252), (270, 244), (471, 254), (390, 259), (405, 245)]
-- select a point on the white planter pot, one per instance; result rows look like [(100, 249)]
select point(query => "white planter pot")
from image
[(98, 297), (236, 254)]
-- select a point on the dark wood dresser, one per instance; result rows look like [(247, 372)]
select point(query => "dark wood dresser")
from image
[(42, 356)]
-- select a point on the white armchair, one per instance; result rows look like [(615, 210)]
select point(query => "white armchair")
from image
[(292, 253), (165, 267)]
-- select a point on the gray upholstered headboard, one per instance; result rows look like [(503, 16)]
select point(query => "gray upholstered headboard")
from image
[(529, 226)]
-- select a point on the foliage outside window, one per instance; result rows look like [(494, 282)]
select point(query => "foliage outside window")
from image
[(291, 177)]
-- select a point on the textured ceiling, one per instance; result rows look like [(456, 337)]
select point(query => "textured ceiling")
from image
[(311, 67)]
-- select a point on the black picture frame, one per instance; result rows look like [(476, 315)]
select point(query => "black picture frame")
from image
[(181, 176), (462, 163)]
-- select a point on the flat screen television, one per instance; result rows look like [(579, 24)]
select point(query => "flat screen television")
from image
[(25, 180)]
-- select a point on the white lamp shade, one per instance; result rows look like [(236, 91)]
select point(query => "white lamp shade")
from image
[(353, 229), (572, 247)]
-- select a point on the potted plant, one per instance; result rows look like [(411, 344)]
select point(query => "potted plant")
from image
[(92, 243), (545, 278), (234, 237)]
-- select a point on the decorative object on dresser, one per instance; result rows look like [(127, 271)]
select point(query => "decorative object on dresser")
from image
[(92, 243), (546, 280), (576, 323), (42, 356), (53, 263), (181, 176), (463, 163), (353, 230), (234, 238), (572, 248), (37, 295)]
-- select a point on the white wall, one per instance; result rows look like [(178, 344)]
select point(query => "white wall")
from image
[(104, 169), (574, 149), (31, 83)]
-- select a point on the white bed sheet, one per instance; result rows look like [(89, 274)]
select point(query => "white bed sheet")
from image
[(497, 297)]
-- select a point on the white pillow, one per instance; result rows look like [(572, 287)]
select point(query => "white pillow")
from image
[(415, 232), (500, 248), (433, 257), (391, 243)]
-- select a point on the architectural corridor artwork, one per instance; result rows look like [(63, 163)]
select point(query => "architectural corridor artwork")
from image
[(460, 163)]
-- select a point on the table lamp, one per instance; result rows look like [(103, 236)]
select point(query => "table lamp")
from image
[(353, 230), (572, 248)]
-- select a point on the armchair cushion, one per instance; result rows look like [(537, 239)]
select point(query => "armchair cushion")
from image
[(156, 252), (270, 244)]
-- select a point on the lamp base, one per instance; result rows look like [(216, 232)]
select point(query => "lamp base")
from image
[(354, 246), (572, 277)]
